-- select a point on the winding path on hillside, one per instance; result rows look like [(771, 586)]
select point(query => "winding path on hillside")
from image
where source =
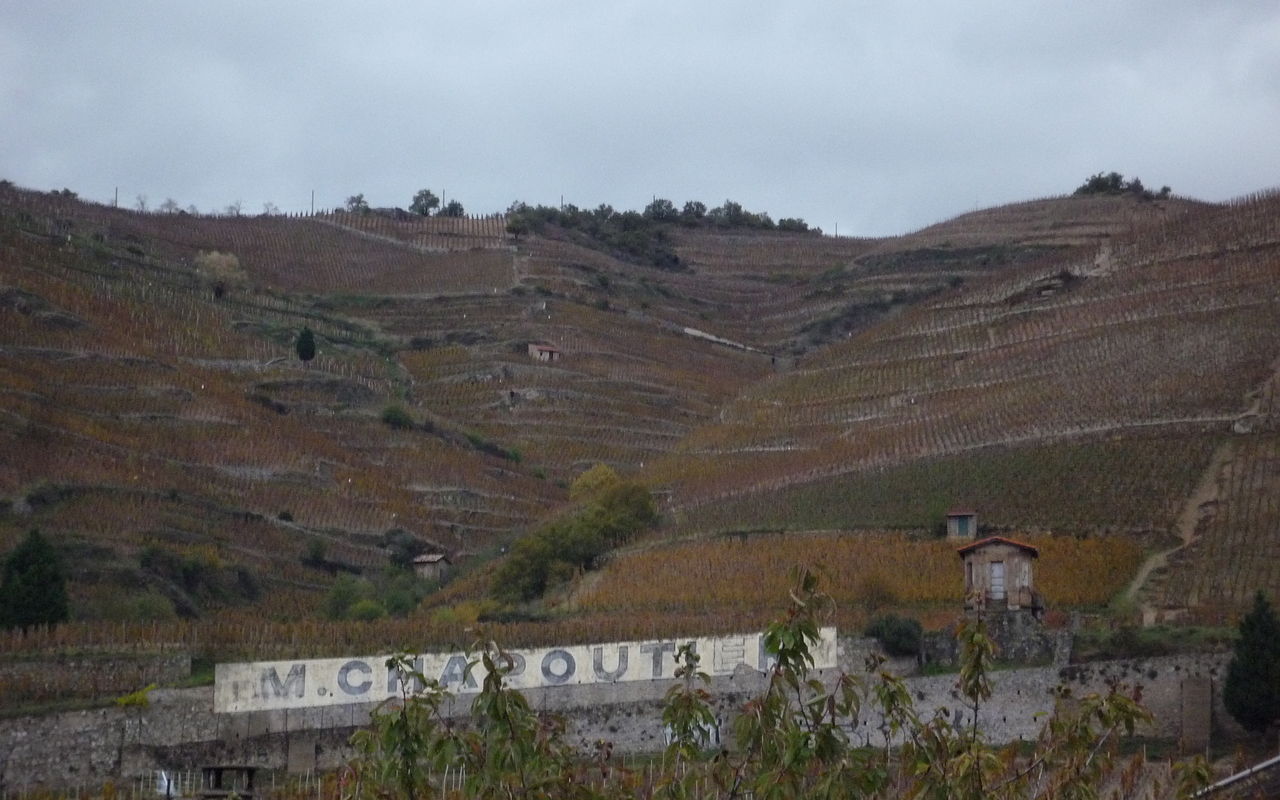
[(1205, 493), (1198, 506)]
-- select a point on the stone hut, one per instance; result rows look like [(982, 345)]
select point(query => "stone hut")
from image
[(431, 566), (962, 523), (544, 352), (998, 576)]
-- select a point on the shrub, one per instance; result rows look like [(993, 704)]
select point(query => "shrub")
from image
[(593, 482), (317, 554), (396, 417), (221, 270), (366, 610), (899, 636)]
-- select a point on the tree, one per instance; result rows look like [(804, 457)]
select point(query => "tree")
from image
[(306, 345), (693, 211), (661, 210), (518, 225), (424, 202), (452, 209), (34, 587), (1252, 689), (593, 482), (356, 204)]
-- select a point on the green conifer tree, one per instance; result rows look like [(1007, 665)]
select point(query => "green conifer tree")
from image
[(1252, 689), (306, 345), (34, 587)]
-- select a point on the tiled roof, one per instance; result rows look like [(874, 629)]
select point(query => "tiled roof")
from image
[(997, 540)]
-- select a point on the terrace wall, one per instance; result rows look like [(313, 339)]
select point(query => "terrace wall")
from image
[(179, 729)]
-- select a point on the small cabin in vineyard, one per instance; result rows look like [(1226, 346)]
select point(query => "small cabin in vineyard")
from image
[(431, 566), (962, 523), (998, 575), (544, 352)]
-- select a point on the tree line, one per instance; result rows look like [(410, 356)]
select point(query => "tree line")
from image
[(1113, 183), (643, 236)]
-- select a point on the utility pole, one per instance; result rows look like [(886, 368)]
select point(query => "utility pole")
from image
[(116, 202), (313, 202)]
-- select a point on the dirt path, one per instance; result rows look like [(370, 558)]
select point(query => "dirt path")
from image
[(1205, 493), (1201, 502)]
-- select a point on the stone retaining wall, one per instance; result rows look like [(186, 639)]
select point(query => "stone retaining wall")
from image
[(179, 730)]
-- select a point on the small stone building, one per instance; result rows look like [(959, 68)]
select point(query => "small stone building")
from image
[(998, 576), (962, 523), (431, 566), (544, 352)]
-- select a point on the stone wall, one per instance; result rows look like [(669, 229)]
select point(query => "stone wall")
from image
[(1019, 638), (179, 730)]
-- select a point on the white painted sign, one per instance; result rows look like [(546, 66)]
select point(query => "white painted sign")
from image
[(269, 685)]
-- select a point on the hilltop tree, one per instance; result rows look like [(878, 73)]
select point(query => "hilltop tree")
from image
[(693, 212), (452, 209), (306, 345), (34, 587), (356, 204), (424, 202), (1252, 689), (1113, 183), (661, 210), (518, 225)]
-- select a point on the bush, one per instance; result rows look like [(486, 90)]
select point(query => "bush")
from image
[(393, 592), (899, 636), (366, 610), (396, 417), (1113, 183), (317, 554)]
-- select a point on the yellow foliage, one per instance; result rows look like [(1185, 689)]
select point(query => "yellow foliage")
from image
[(593, 482), (220, 267)]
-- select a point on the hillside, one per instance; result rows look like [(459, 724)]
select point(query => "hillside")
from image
[(1086, 391), (1071, 364)]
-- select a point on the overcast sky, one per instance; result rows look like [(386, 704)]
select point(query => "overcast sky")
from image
[(878, 117)]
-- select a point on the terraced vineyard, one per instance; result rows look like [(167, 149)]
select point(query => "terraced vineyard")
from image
[(1070, 365), (734, 582), (1161, 333), (143, 415), (1232, 549)]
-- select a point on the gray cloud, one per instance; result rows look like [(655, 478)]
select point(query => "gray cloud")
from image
[(881, 117)]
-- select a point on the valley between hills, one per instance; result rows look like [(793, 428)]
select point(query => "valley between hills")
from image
[(1093, 374)]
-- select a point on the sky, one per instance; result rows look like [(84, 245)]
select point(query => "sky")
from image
[(866, 118)]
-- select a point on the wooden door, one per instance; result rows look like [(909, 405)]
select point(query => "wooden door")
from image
[(997, 580)]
